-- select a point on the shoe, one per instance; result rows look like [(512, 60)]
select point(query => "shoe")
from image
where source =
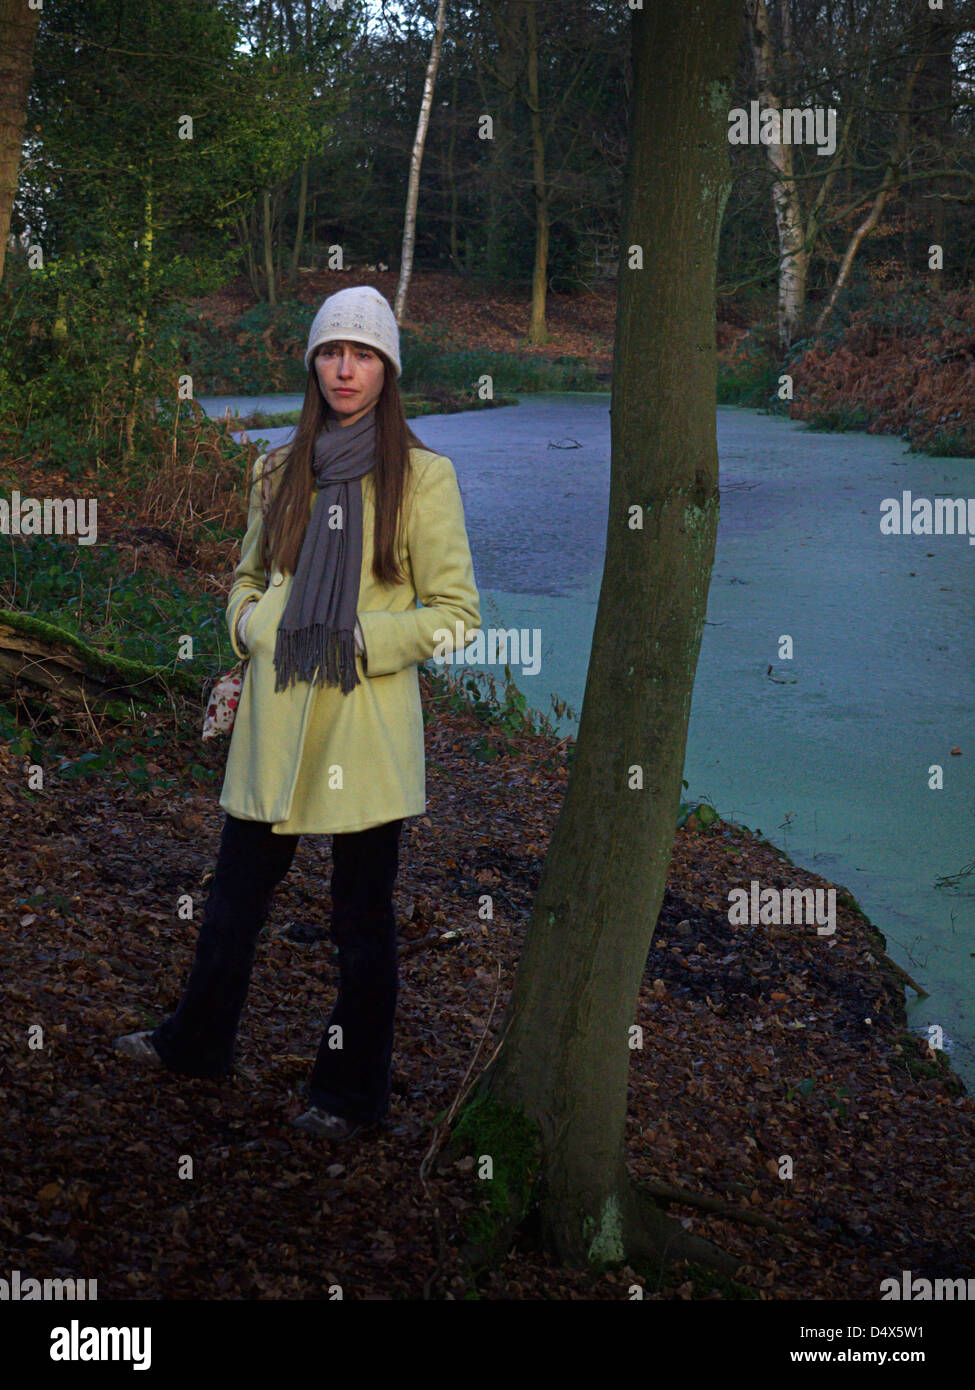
[(325, 1126), (138, 1048)]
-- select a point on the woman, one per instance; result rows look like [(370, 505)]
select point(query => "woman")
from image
[(363, 521)]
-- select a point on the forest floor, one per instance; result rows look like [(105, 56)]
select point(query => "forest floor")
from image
[(758, 1043)]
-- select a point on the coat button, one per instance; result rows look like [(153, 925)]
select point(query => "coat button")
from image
[(277, 579)]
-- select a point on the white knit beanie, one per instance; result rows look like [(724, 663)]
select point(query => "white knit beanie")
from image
[(361, 315)]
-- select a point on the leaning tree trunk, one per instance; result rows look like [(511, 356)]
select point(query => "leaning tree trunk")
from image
[(887, 189), (564, 1057), (413, 191), (18, 30)]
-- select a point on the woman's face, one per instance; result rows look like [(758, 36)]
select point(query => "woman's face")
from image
[(351, 378)]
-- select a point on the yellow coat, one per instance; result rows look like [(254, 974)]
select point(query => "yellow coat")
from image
[(309, 759)]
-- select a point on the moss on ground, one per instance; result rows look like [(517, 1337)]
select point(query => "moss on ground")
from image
[(925, 1063), (488, 1129)]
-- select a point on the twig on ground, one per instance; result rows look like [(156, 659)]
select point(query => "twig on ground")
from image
[(431, 940), (441, 1129)]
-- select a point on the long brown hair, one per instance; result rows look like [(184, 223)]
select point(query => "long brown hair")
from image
[(289, 511)]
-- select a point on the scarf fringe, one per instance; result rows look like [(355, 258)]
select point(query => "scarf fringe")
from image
[(318, 654)]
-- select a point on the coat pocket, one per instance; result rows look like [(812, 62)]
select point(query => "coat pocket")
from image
[(261, 620)]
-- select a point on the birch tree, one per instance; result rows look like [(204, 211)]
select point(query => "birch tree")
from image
[(416, 161), (793, 253)]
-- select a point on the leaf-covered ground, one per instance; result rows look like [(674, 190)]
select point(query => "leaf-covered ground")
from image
[(758, 1042)]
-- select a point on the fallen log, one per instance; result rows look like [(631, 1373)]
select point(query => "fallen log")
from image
[(39, 654)]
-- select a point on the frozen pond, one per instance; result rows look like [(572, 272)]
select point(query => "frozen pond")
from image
[(832, 766)]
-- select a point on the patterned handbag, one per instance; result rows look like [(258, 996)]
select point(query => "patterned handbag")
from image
[(224, 697)]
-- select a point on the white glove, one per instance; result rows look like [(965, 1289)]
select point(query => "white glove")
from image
[(242, 619)]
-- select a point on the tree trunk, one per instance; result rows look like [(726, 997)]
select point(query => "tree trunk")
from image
[(142, 320), (788, 66), (300, 231), (538, 331), (888, 187), (926, 222), (564, 1056), (413, 191), (793, 256), (18, 30), (278, 221), (272, 298), (451, 181), (503, 108), (247, 245)]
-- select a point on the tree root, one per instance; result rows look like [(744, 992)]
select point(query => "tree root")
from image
[(662, 1192), (653, 1238)]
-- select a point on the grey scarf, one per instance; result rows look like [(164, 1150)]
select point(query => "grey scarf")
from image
[(316, 634)]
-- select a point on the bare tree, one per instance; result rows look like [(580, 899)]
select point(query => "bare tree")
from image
[(887, 188)]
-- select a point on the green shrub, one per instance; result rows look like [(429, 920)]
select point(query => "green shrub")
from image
[(92, 594)]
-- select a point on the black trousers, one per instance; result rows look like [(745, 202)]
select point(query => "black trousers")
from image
[(351, 1076)]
